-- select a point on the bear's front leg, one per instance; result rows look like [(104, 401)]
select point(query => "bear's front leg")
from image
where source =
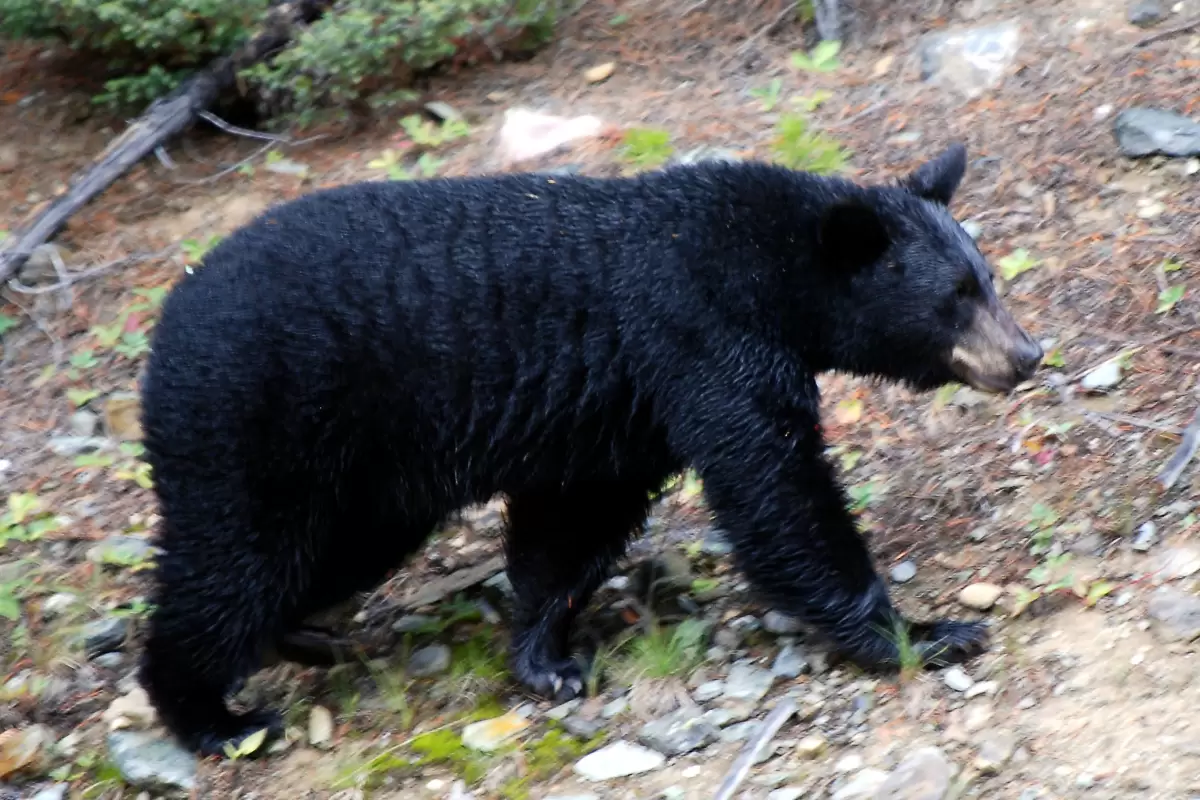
[(787, 518), (561, 543)]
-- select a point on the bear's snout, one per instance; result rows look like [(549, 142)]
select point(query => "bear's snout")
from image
[(994, 353)]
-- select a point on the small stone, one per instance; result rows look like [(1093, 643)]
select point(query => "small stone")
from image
[(862, 786), (83, 423), (69, 446), (57, 791), (957, 679), (414, 623), (320, 727), (600, 72), (980, 596), (995, 749), (121, 550), (790, 663), (1103, 377), (982, 688), (786, 793), (811, 746), (560, 712), (618, 760), (581, 727), (714, 544), (1151, 209), (849, 763), (679, 732), (614, 708), (1146, 131), (973, 228), (9, 158), (707, 692), (1176, 611), (740, 731), (133, 709), (972, 60), (489, 734), (104, 636), (1147, 534), (1178, 562), (904, 572), (443, 111), (780, 624), (1146, 13), (149, 761), (109, 660), (747, 682), (56, 604), (699, 155), (923, 775), (429, 661), (728, 638)]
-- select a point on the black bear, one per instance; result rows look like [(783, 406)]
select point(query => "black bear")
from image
[(353, 366)]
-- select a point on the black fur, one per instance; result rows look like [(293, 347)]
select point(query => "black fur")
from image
[(355, 365)]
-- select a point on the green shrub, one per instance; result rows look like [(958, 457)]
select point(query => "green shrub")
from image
[(359, 47)]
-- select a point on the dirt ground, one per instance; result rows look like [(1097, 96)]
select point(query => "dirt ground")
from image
[(1086, 692)]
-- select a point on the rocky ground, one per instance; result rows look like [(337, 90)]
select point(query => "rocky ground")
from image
[(1038, 511)]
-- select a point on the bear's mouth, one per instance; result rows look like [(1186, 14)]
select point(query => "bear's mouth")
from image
[(994, 354)]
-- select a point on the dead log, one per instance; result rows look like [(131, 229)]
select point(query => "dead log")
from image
[(162, 120)]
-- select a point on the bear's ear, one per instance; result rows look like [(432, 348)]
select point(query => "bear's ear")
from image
[(938, 179), (851, 236)]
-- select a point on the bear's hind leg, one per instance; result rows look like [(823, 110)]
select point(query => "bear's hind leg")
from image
[(561, 545)]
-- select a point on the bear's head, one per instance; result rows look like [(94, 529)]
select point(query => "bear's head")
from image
[(918, 303)]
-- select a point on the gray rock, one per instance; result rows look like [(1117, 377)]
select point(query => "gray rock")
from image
[(1103, 377), (122, 550), (75, 445), (618, 760), (1146, 13), (1146, 131), (740, 731), (413, 623), (679, 732), (728, 638), (971, 60), (957, 679), (83, 423), (714, 544), (499, 587), (581, 727), (56, 792), (614, 708), (1147, 534), (559, 713), (705, 153), (429, 661), (109, 660), (747, 682), (786, 793), (780, 624), (56, 604), (790, 663), (1176, 611), (904, 572), (923, 775), (152, 762), (709, 691), (862, 786), (104, 636), (973, 228), (996, 747)]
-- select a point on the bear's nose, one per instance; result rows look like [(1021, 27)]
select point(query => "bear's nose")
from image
[(1028, 356)]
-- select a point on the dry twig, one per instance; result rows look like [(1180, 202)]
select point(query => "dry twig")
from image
[(741, 768)]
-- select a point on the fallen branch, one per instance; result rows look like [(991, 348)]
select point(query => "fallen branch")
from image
[(1169, 33), (741, 767), (164, 118), (440, 588), (1187, 450)]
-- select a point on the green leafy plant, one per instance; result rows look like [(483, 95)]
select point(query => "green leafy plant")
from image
[(666, 652), (822, 58), (195, 249), (811, 102), (863, 496), (1015, 263), (1054, 358), (768, 96), (429, 134), (25, 520), (1042, 524), (646, 148), (1169, 297), (7, 323), (797, 146)]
